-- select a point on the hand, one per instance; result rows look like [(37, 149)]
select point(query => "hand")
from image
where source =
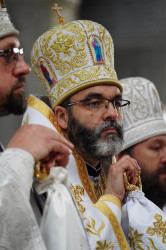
[(115, 183), (42, 143)]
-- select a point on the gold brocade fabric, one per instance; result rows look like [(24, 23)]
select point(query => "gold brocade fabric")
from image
[(73, 56), (93, 193)]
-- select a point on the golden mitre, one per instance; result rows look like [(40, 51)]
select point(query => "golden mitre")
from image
[(72, 56)]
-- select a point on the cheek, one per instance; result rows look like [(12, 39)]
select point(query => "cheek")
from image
[(88, 119), (148, 160), (3, 92)]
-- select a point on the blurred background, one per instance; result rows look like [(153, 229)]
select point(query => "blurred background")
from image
[(138, 29)]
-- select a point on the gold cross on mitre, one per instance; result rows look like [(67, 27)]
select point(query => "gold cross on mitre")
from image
[(57, 9)]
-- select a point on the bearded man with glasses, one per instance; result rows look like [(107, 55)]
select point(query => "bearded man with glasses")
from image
[(86, 108)]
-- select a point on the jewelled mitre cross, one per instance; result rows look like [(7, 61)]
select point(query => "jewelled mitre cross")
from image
[(57, 9)]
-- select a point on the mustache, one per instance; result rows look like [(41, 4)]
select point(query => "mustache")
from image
[(108, 124), (20, 80), (161, 170)]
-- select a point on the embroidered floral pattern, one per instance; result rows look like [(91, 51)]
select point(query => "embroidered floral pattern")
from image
[(77, 191), (136, 242), (159, 228), (91, 227), (135, 239), (105, 245)]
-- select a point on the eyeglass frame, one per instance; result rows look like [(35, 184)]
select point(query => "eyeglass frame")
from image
[(102, 98), (13, 56)]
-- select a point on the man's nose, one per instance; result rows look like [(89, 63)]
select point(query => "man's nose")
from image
[(110, 113), (163, 155), (21, 67)]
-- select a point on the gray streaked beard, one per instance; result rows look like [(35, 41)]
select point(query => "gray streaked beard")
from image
[(89, 142)]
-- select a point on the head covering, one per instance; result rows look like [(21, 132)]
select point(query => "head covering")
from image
[(6, 27), (163, 108), (74, 56), (144, 119)]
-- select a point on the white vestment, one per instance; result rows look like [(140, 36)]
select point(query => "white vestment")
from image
[(18, 226), (101, 217), (101, 214)]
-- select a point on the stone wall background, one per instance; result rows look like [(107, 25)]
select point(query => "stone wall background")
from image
[(138, 29)]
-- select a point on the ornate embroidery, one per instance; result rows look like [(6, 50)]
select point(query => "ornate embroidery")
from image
[(104, 245), (136, 242), (65, 44), (135, 239), (84, 177), (111, 198), (77, 191), (104, 208), (74, 50), (44, 110), (91, 227), (159, 228)]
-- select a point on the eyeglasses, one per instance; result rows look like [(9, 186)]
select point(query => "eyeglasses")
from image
[(12, 54), (98, 103)]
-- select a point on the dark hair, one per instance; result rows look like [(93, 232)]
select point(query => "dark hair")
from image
[(127, 151), (65, 103)]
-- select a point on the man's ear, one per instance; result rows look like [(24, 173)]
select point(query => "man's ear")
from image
[(61, 116)]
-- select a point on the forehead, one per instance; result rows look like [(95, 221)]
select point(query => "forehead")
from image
[(159, 138), (8, 42), (107, 91)]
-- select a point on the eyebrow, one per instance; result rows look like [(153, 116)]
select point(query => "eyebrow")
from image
[(10, 45), (157, 141), (98, 95)]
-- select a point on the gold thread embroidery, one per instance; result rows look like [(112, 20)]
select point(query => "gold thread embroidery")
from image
[(77, 191), (84, 177), (66, 48), (111, 198), (135, 239), (91, 227), (100, 205), (159, 228), (79, 87), (136, 242), (104, 245), (90, 25), (44, 110), (65, 43)]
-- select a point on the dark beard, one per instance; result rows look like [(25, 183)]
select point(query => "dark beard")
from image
[(153, 189), (14, 103), (88, 140)]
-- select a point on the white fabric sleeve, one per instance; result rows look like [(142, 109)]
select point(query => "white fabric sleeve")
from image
[(102, 223), (61, 225), (143, 223), (21, 163), (19, 229)]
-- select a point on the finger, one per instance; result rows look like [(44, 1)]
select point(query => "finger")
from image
[(63, 140), (59, 147)]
